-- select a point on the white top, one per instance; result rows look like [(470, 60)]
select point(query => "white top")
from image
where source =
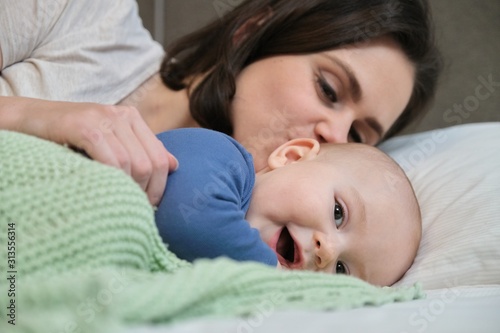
[(75, 50)]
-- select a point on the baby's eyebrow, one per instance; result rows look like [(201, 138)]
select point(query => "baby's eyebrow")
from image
[(357, 215), (358, 206)]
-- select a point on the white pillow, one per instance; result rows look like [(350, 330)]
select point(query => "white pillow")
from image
[(456, 176)]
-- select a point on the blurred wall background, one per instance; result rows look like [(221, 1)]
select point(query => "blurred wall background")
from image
[(468, 33)]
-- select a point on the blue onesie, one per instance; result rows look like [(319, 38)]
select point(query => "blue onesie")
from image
[(202, 212)]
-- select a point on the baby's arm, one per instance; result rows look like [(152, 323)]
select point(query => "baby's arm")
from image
[(202, 212)]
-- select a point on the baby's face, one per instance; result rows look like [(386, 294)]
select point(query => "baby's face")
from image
[(339, 214)]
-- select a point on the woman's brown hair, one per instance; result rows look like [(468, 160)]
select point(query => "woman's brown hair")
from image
[(284, 27)]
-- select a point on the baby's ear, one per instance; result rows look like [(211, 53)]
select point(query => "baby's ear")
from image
[(295, 150)]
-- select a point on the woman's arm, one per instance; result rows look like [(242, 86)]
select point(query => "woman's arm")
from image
[(54, 51), (114, 135)]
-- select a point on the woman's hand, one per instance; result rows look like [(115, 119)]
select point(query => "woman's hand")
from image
[(114, 135)]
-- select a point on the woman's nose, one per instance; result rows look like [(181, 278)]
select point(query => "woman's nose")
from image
[(334, 129), (324, 250)]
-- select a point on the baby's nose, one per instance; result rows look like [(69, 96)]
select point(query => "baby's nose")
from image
[(323, 250)]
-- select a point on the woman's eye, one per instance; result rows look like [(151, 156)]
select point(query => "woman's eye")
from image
[(338, 214), (340, 268), (327, 90), (354, 136)]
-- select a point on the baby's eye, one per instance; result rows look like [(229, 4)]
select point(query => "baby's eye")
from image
[(340, 268), (338, 214)]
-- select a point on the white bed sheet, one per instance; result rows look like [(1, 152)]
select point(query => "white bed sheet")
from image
[(451, 310)]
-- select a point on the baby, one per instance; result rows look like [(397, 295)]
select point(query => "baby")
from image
[(336, 208)]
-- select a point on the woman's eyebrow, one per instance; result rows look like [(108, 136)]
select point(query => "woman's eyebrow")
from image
[(355, 90), (354, 86)]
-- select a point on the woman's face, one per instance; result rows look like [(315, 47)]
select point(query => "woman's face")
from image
[(352, 94)]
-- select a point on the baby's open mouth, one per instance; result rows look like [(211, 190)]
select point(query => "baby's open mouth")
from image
[(288, 250)]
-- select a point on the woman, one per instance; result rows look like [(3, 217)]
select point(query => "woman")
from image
[(269, 71)]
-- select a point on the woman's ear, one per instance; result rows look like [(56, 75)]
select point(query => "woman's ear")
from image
[(295, 150), (251, 25)]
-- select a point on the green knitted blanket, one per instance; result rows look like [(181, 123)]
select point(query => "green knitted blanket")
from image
[(80, 253)]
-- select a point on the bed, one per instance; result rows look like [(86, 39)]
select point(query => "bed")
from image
[(455, 172)]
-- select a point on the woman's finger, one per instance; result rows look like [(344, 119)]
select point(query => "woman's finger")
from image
[(98, 147), (141, 166), (161, 161)]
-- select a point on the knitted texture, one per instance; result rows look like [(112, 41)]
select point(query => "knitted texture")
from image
[(71, 212), (88, 256)]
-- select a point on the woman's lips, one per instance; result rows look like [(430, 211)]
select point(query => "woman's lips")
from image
[(287, 249)]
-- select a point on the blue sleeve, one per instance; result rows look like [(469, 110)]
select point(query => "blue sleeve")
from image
[(202, 212)]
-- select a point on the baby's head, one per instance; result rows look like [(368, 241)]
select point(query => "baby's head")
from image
[(339, 208)]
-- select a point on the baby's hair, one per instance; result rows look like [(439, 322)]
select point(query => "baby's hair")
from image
[(393, 173)]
